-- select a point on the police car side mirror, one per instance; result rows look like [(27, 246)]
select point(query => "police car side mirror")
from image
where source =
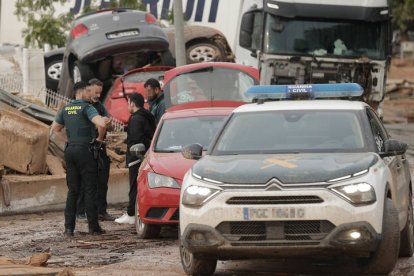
[(394, 147), (192, 151), (138, 150)]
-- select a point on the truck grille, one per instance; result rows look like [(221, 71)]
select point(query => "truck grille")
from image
[(275, 200), (275, 232)]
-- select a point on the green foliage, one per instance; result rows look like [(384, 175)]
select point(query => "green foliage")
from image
[(42, 26), (402, 12)]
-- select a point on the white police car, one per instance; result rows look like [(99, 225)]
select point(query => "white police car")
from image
[(298, 178)]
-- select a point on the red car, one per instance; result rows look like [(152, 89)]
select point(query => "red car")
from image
[(133, 81), (163, 169), (185, 84), (208, 81)]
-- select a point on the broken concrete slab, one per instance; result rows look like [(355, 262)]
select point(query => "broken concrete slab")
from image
[(21, 194), (23, 141)]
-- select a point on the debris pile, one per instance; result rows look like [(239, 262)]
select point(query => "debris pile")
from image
[(26, 144)]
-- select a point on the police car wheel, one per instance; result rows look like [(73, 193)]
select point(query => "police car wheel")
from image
[(196, 265), (383, 260), (407, 234), (144, 230)]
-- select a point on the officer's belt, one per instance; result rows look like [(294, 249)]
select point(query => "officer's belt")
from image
[(78, 143)]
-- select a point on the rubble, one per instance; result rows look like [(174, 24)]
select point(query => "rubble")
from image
[(24, 142)]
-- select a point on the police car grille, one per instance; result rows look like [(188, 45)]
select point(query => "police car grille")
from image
[(257, 200), (275, 232)]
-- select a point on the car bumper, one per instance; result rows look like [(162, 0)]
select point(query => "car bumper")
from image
[(298, 229), (207, 240), (113, 47), (159, 205)]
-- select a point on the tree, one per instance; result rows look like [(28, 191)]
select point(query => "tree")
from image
[(402, 12), (43, 26)]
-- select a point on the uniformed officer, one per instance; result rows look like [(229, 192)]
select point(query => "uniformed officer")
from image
[(103, 161), (81, 120)]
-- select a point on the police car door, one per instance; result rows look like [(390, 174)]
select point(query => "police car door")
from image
[(394, 163)]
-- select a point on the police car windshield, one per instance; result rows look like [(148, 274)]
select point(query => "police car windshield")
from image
[(291, 132), (176, 133)]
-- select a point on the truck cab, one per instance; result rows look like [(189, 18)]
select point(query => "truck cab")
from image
[(313, 42)]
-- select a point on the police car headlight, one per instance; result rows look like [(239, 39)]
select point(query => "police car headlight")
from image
[(157, 181), (360, 193), (196, 195)]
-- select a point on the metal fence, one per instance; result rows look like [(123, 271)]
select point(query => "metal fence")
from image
[(12, 83)]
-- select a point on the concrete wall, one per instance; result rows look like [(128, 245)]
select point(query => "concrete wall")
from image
[(25, 194)]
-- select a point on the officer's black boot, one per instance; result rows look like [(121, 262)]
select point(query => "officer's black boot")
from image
[(97, 230)]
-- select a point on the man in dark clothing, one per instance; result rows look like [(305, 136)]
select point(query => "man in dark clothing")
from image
[(81, 120), (103, 162), (141, 128), (155, 98)]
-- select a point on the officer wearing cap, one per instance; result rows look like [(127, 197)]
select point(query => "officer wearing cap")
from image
[(80, 120)]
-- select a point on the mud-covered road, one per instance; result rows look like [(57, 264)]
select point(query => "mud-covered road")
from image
[(119, 252)]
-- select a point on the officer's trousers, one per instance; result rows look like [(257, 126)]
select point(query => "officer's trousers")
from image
[(81, 173), (102, 188)]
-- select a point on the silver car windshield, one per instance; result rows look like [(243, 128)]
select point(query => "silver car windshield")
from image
[(291, 132), (176, 133)]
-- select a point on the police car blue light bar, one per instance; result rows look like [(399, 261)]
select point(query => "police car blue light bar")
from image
[(308, 91)]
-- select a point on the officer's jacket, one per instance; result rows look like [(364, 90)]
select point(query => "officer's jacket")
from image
[(77, 118)]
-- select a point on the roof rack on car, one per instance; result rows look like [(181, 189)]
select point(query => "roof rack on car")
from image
[(262, 93)]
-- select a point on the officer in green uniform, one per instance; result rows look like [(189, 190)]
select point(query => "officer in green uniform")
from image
[(81, 120)]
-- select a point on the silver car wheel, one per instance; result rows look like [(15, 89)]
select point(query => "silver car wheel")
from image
[(203, 53), (54, 71), (76, 74)]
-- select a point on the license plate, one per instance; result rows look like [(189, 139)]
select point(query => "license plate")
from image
[(273, 213), (122, 34)]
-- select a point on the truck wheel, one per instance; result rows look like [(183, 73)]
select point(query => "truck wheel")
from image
[(407, 234), (383, 260), (81, 71), (144, 230), (204, 50), (196, 265)]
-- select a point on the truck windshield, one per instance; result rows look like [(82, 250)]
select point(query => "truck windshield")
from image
[(347, 39)]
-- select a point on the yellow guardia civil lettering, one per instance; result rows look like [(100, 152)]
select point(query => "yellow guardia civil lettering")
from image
[(73, 107)]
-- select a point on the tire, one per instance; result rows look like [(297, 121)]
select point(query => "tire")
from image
[(407, 234), (144, 230), (81, 71), (53, 69), (383, 260), (167, 59), (196, 265), (203, 51)]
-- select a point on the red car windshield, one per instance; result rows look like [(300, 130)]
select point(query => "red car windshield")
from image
[(209, 83), (176, 133)]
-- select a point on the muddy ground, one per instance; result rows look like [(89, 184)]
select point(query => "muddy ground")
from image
[(119, 252)]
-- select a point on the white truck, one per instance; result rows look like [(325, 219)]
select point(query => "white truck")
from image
[(313, 41)]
